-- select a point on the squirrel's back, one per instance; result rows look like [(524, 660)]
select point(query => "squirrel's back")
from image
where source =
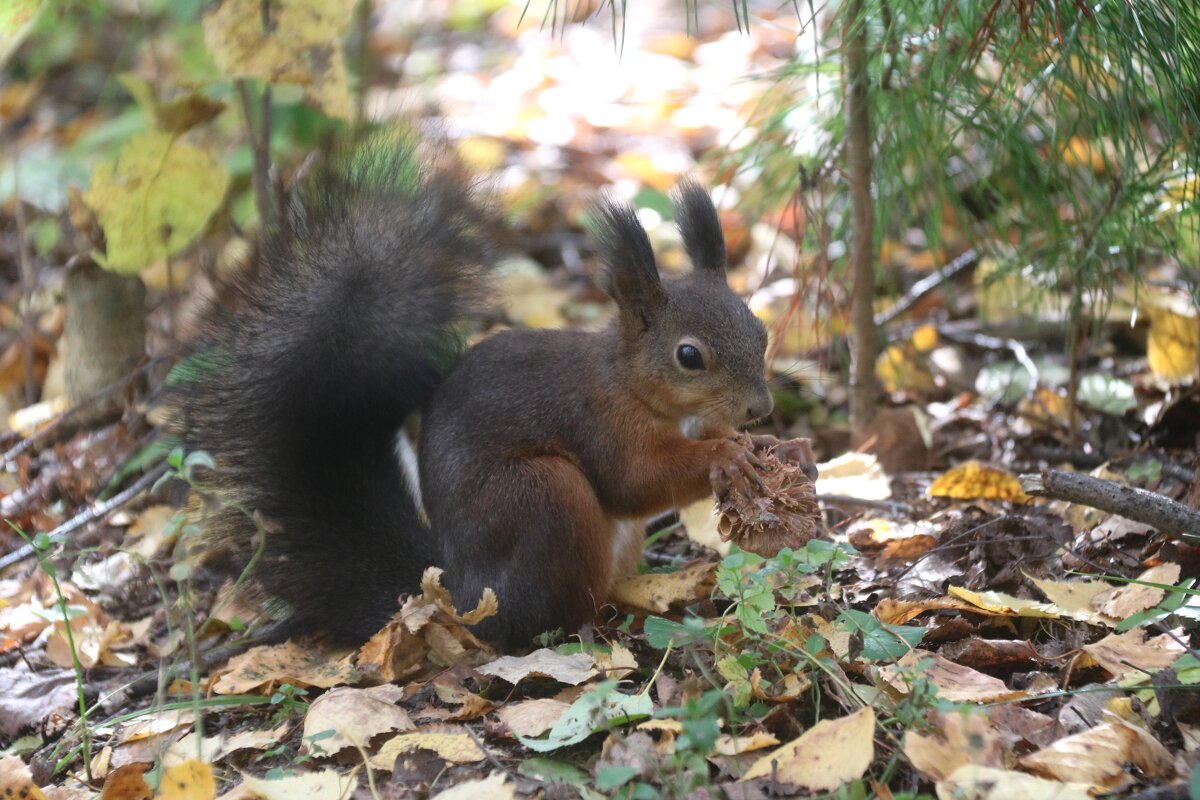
[(346, 330)]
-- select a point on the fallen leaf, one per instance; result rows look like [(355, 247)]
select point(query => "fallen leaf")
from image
[(17, 781), (1130, 654), (326, 784), (657, 592), (532, 717), (428, 632), (953, 682), (191, 780), (829, 754), (261, 669), (127, 783), (961, 738), (571, 669), (975, 782), (354, 716), (493, 787), (1122, 602), (449, 745), (854, 475), (1099, 757)]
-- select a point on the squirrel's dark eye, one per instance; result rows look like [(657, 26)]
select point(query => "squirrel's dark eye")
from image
[(689, 357)]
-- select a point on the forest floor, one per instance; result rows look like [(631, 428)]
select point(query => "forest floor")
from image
[(956, 630)]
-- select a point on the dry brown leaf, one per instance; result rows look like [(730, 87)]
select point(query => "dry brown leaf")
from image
[(657, 592), (1122, 602), (975, 481), (427, 632), (828, 754), (975, 782), (781, 513), (1130, 654), (571, 669), (1098, 757), (261, 669), (953, 682), (127, 783), (471, 706), (354, 716), (961, 738), (449, 744), (532, 718), (899, 612)]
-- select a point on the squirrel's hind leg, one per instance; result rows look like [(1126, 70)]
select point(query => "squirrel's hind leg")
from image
[(546, 550)]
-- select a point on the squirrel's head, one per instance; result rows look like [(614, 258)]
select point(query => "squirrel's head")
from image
[(692, 346)]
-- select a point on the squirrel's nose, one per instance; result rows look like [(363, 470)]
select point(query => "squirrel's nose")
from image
[(760, 407)]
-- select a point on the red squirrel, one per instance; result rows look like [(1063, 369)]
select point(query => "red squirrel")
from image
[(542, 453)]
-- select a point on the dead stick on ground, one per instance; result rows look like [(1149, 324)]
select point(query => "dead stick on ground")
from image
[(1166, 515)]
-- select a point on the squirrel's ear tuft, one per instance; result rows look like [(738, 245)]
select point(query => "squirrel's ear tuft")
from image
[(625, 249), (700, 228)]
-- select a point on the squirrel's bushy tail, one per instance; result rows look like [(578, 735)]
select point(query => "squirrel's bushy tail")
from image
[(346, 329)]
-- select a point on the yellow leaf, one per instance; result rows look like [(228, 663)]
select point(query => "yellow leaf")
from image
[(1100, 757), (658, 591), (456, 748), (17, 781), (900, 368), (925, 338), (1174, 336), (972, 782), (191, 780), (302, 47), (975, 481), (959, 738), (154, 199), (829, 754)]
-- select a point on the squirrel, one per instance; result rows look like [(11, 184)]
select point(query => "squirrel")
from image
[(542, 452)]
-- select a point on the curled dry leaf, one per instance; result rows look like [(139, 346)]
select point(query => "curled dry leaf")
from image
[(783, 512), (427, 632), (1099, 757)]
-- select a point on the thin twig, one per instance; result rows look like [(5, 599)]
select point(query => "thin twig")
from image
[(92, 512), (1162, 513)]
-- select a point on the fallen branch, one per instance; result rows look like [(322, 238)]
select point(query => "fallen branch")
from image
[(1163, 513)]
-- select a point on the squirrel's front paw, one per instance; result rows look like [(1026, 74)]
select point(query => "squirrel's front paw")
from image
[(795, 451), (734, 467)]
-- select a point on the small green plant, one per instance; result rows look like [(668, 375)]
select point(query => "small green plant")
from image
[(289, 701)]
